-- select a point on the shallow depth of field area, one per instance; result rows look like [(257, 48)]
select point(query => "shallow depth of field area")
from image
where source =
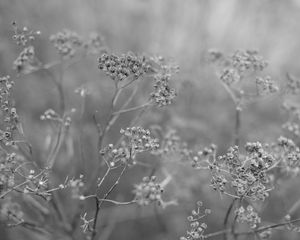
[(155, 120)]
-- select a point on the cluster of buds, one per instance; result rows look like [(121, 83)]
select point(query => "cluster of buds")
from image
[(137, 140), (265, 85), (241, 65), (236, 65), (248, 216), (148, 191), (292, 85), (115, 155), (140, 140), (204, 156), (24, 35), (218, 183), (163, 94), (292, 124), (230, 76), (26, 61), (121, 67), (248, 60), (287, 154), (9, 113), (95, 44), (66, 43), (197, 227)]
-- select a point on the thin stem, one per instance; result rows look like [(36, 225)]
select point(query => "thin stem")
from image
[(103, 178), (261, 229), (131, 109), (100, 201), (225, 223), (237, 126), (221, 232)]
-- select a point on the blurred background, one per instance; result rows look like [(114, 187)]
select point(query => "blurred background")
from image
[(203, 112)]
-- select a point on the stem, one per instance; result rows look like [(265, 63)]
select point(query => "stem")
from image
[(60, 138), (100, 201), (227, 217), (237, 126), (131, 109), (261, 229)]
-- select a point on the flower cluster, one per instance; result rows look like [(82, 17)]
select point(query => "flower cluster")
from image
[(292, 123), (26, 61), (287, 154), (95, 44), (24, 35), (265, 85), (163, 94), (204, 156), (247, 174), (121, 67), (238, 64), (197, 228), (230, 76), (66, 43), (148, 191), (218, 182), (140, 139), (248, 216), (8, 111), (248, 60), (137, 140), (292, 85)]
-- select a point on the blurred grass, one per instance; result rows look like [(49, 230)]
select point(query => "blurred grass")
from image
[(183, 31)]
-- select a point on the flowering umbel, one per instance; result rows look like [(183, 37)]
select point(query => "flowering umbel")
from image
[(121, 67)]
